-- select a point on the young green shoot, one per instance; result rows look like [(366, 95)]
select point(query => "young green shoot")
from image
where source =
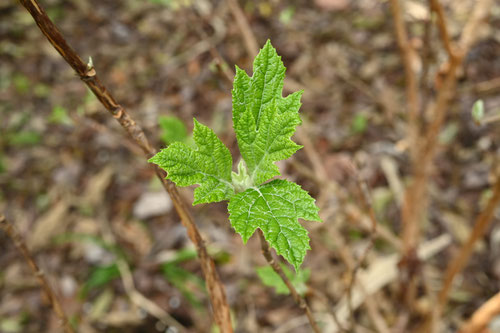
[(264, 122)]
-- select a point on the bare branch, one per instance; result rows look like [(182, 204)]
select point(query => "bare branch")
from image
[(408, 54), (483, 316), (460, 260), (248, 37), (18, 241), (301, 302), (88, 75), (443, 28)]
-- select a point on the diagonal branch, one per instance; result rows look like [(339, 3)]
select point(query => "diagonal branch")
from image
[(18, 241), (301, 302), (483, 316), (443, 28), (244, 27), (88, 75), (460, 260)]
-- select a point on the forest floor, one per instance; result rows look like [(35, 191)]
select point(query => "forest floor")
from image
[(83, 196)]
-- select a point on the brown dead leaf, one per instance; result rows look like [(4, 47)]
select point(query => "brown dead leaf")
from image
[(51, 224), (332, 4), (135, 234), (15, 277), (96, 187), (132, 317)]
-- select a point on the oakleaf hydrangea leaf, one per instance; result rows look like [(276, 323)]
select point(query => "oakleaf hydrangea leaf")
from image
[(209, 166), (263, 120), (275, 208)]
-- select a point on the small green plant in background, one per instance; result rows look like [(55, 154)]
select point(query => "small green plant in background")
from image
[(60, 116), (18, 134), (264, 122), (271, 279), (24, 138), (100, 276), (478, 111), (479, 114), (172, 130), (21, 83), (359, 123), (185, 281)]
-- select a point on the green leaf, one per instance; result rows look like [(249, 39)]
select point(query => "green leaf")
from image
[(286, 15), (209, 165), (26, 138), (99, 277), (185, 281), (21, 83), (60, 116), (275, 208), (173, 130), (359, 123), (263, 120), (3, 163), (271, 279), (478, 111)]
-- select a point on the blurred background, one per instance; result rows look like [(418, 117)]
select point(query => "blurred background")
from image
[(83, 196)]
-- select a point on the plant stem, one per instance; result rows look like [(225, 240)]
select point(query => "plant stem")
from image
[(301, 302), (246, 31), (443, 28), (460, 260), (416, 197), (483, 316), (18, 241), (89, 75), (408, 55)]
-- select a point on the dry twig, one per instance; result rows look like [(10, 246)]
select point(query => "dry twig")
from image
[(483, 316), (408, 55), (88, 75), (18, 241), (460, 260), (410, 232), (443, 28), (416, 198), (248, 37), (136, 297), (143, 302), (365, 199), (379, 273), (266, 251)]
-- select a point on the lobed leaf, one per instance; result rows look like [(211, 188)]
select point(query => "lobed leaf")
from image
[(209, 166), (275, 208), (263, 120)]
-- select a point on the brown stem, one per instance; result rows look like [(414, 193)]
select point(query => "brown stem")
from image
[(241, 21), (458, 263), (443, 28), (408, 54), (410, 230), (416, 198), (301, 302), (18, 241), (365, 200), (483, 316), (88, 75)]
